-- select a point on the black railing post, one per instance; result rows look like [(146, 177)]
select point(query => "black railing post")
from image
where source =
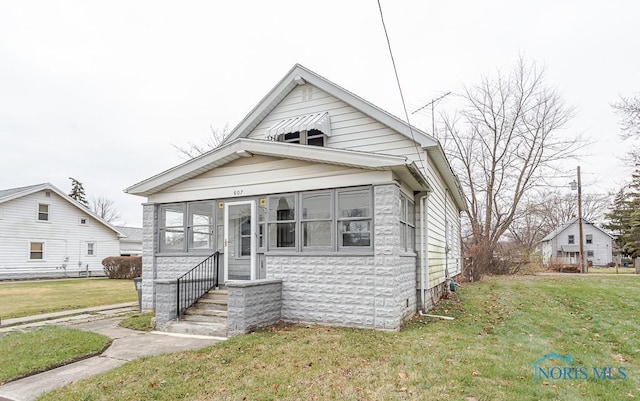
[(192, 285)]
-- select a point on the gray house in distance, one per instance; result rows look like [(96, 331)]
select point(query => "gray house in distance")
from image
[(323, 208), (562, 245)]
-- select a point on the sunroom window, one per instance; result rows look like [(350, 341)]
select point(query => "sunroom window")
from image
[(316, 220), (200, 225), (282, 221), (407, 224), (172, 227), (354, 218)]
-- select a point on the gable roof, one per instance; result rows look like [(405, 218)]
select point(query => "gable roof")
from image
[(406, 169), (134, 234), (15, 193), (558, 230), (300, 75)]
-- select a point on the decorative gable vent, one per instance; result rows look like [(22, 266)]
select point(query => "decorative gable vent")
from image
[(309, 129)]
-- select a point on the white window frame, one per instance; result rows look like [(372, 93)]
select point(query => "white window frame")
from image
[(83, 221), (48, 212), (44, 251), (91, 248), (571, 239), (589, 239)]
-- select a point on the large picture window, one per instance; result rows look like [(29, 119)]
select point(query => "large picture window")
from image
[(354, 218)]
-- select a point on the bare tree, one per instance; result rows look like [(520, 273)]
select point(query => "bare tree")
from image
[(543, 212), (628, 108), (212, 141), (507, 136), (105, 209)]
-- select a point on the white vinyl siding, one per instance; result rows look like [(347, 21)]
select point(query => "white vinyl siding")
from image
[(260, 175), (65, 242), (350, 128)]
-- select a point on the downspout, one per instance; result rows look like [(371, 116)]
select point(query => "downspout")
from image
[(424, 274), (446, 240)]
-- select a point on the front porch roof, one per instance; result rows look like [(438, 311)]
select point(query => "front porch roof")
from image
[(405, 169)]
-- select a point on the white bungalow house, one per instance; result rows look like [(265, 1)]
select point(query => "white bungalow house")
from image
[(323, 207), (562, 245), (45, 233)]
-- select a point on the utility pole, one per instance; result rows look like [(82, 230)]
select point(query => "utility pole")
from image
[(583, 268)]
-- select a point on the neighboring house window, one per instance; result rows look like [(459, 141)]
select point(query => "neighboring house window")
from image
[(36, 250), (571, 239), (172, 227), (354, 218), (91, 248), (43, 212), (200, 225), (589, 238), (316, 220), (559, 254), (590, 254), (83, 221), (408, 225), (281, 220)]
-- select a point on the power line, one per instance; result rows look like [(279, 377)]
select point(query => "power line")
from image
[(395, 70)]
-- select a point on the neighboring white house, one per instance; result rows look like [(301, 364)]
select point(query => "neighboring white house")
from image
[(45, 233), (562, 245), (131, 245), (356, 213)]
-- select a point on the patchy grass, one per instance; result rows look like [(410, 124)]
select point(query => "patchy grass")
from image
[(43, 296), (26, 353), (138, 321), (612, 270), (501, 326)]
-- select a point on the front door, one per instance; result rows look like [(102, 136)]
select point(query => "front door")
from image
[(239, 240)]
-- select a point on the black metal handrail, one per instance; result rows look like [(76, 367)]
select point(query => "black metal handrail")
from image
[(196, 282)]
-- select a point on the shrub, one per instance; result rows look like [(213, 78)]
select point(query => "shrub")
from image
[(126, 267)]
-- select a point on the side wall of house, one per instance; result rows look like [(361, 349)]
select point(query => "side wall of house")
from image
[(65, 239)]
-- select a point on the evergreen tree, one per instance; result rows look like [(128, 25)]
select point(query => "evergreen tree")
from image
[(77, 192), (624, 218)]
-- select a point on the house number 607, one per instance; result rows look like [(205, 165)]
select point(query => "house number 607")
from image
[(238, 192)]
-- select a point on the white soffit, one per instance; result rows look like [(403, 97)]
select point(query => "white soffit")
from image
[(319, 121)]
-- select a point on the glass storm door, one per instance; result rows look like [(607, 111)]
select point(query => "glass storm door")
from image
[(239, 240)]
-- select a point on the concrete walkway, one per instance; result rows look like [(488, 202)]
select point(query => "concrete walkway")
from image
[(127, 345)]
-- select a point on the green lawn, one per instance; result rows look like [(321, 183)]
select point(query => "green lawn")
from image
[(42, 296), (501, 327), (138, 321), (25, 353)]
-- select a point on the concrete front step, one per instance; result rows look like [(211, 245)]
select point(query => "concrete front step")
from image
[(205, 316), (208, 303), (198, 328)]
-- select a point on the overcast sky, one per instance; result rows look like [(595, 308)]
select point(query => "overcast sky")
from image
[(99, 90)]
